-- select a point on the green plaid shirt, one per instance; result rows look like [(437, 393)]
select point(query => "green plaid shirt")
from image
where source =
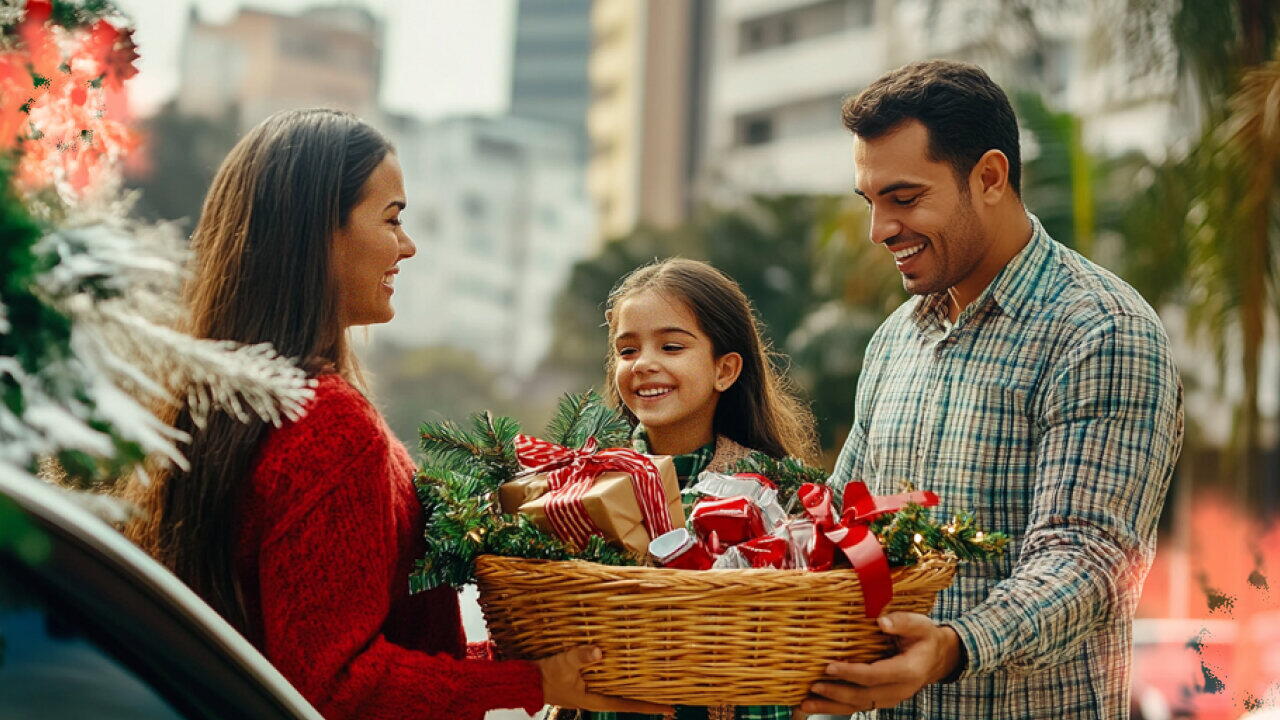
[(1053, 410), (687, 468)]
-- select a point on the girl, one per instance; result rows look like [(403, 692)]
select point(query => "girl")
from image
[(303, 536), (688, 365)]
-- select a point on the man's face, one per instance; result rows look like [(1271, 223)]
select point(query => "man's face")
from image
[(919, 211)]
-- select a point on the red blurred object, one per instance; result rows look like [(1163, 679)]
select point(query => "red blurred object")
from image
[(1207, 635)]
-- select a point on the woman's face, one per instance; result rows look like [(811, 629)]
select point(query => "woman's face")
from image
[(367, 249)]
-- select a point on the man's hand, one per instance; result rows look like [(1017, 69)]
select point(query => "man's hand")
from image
[(562, 685), (927, 653)]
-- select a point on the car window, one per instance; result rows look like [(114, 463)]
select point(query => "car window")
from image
[(50, 668)]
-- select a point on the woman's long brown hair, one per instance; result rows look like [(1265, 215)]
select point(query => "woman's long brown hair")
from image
[(261, 274), (760, 410)]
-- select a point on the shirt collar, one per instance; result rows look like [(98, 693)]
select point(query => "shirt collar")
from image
[(1013, 291)]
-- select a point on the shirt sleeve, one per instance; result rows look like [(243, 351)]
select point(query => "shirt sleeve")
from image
[(326, 581), (1111, 429)]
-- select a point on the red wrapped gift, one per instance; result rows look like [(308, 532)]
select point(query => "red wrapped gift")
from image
[(764, 551), (680, 549), (732, 519)]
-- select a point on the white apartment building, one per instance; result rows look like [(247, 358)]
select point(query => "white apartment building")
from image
[(780, 70), (499, 213)]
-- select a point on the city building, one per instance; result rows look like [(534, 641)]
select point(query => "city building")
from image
[(549, 66), (260, 62), (644, 121), (780, 70), (499, 213)]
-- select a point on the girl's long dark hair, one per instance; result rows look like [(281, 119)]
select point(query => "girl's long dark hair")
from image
[(261, 274), (760, 410)]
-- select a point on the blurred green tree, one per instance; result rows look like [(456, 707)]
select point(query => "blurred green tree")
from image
[(1207, 229)]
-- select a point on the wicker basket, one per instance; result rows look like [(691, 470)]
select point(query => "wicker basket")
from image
[(689, 637)]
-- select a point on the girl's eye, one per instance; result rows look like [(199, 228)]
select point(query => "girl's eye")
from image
[(672, 347), (626, 351), (395, 221)]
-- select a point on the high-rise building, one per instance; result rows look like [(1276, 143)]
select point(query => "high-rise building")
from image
[(779, 72), (646, 103), (549, 67), (260, 62), (499, 213)]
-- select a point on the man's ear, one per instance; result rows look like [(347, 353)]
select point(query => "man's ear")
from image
[(728, 368), (989, 181)]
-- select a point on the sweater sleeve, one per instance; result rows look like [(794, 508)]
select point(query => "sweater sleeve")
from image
[(327, 573)]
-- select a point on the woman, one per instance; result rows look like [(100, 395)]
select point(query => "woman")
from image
[(303, 536)]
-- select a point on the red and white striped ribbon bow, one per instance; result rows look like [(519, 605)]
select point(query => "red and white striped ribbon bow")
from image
[(571, 473)]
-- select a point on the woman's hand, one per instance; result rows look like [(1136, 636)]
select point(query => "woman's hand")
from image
[(562, 685)]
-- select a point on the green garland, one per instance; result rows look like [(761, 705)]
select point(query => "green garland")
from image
[(912, 532), (788, 474), (464, 466)]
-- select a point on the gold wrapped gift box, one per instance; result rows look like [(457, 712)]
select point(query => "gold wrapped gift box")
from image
[(610, 503)]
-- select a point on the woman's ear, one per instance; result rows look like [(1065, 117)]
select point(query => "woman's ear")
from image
[(728, 368)]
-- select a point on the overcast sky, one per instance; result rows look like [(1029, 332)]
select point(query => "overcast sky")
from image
[(441, 56)]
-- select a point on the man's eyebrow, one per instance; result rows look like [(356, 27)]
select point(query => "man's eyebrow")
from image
[(395, 203), (899, 185)]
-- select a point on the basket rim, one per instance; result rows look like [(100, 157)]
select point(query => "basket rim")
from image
[(932, 569)]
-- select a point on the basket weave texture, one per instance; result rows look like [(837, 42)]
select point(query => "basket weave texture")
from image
[(696, 637)]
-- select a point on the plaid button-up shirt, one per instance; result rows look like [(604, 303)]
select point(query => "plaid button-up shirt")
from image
[(1052, 409)]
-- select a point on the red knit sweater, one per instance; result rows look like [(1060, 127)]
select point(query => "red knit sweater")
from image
[(329, 530)]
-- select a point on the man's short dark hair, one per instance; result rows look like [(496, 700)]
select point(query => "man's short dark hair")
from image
[(965, 113)]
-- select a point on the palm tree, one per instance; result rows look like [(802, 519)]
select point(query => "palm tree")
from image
[(1215, 207)]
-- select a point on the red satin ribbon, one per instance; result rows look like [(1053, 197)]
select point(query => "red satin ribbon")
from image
[(851, 532), (571, 473)]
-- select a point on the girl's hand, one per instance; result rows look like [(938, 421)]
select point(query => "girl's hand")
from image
[(562, 685)]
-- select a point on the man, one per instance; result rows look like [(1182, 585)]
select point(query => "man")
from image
[(1022, 382)]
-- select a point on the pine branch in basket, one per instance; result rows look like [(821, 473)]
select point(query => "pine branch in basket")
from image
[(580, 416), (457, 484), (487, 449), (912, 532)]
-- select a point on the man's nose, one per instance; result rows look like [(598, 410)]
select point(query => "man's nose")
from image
[(883, 227)]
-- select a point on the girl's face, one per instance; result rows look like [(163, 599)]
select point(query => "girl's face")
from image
[(367, 249), (666, 371)]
